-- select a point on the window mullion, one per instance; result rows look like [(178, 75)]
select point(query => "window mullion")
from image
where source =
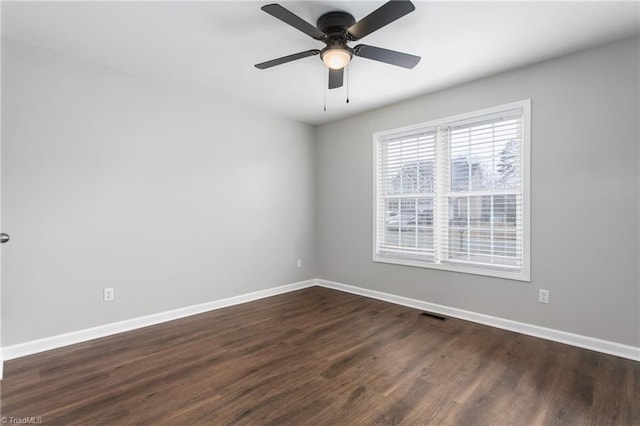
[(441, 213), (492, 225)]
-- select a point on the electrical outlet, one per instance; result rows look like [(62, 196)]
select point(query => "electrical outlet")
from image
[(107, 295), (543, 296), (299, 263)]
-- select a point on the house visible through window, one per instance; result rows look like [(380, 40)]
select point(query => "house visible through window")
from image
[(453, 193)]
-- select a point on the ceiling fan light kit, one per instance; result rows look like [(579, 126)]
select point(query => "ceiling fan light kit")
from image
[(336, 57), (338, 28)]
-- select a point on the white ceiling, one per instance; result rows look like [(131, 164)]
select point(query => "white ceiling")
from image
[(215, 44)]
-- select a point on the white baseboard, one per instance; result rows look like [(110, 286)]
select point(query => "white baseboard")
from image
[(599, 345), (53, 342)]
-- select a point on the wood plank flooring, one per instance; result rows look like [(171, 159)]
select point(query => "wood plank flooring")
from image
[(322, 357)]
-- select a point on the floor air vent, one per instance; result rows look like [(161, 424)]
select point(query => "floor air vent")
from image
[(434, 316)]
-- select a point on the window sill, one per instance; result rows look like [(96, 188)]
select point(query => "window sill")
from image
[(522, 275)]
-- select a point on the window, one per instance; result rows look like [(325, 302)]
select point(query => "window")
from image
[(453, 193)]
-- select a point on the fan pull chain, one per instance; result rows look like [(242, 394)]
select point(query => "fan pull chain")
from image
[(324, 85), (347, 70)]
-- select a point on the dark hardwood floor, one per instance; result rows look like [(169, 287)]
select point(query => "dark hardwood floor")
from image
[(322, 357)]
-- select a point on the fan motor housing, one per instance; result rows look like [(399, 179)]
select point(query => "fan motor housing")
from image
[(335, 23)]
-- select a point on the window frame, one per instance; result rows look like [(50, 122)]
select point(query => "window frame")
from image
[(523, 274)]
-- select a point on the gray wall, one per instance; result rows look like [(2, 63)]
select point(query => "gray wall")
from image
[(584, 198), (170, 195), (110, 180)]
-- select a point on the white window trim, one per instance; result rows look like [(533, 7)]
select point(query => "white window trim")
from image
[(521, 275)]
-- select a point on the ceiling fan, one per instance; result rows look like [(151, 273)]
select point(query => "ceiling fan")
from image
[(336, 29)]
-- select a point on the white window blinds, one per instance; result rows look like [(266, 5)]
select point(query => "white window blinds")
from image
[(451, 194), (407, 195), (483, 191)]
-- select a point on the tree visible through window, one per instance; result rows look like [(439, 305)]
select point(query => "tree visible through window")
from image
[(451, 194)]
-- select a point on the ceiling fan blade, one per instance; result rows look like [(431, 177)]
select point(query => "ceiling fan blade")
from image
[(336, 78), (288, 58), (294, 20), (385, 55), (384, 15)]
